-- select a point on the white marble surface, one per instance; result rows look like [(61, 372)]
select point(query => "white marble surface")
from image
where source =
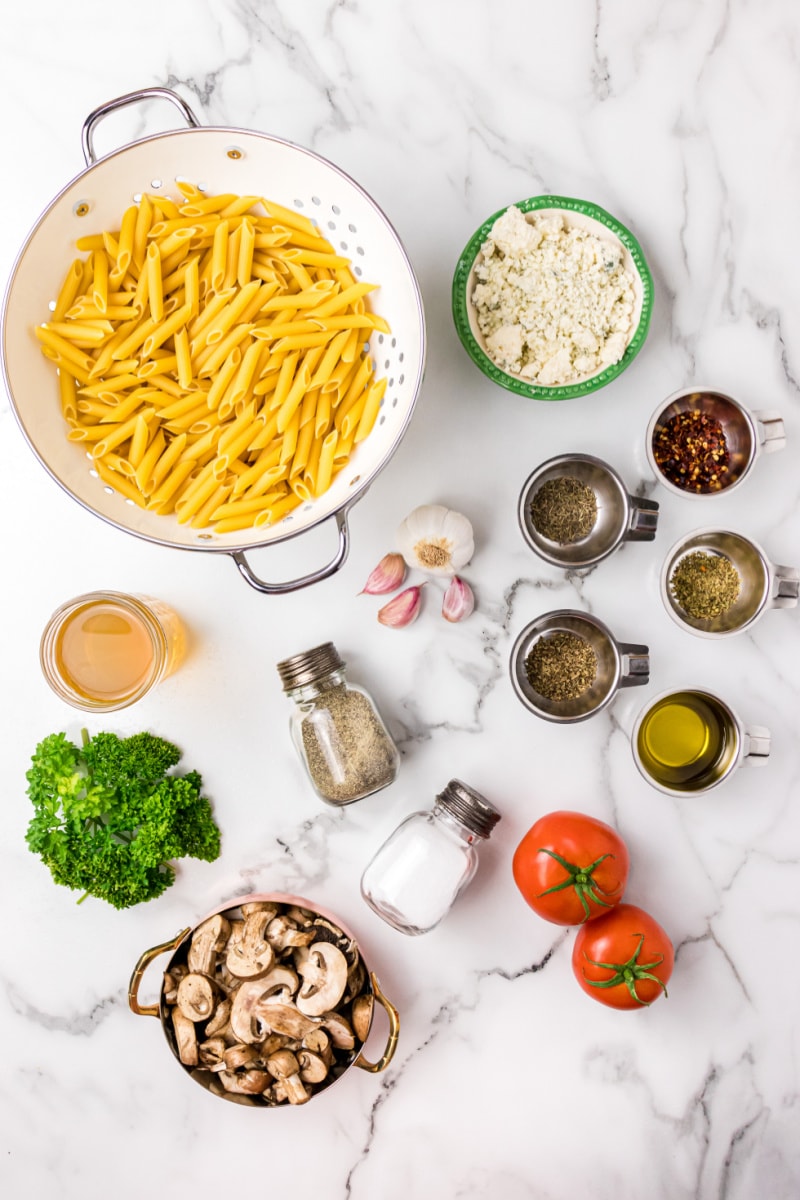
[(682, 119)]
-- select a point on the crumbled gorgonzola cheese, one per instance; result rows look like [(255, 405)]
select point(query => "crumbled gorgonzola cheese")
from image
[(554, 302)]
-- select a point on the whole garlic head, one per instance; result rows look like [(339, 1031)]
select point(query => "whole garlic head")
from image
[(436, 539)]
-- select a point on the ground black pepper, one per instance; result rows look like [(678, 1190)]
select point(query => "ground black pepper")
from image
[(347, 749), (561, 666), (690, 449)]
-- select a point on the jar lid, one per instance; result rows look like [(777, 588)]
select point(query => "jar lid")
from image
[(305, 668), (469, 807)]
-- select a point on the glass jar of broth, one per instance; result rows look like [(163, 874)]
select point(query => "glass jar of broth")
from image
[(105, 650)]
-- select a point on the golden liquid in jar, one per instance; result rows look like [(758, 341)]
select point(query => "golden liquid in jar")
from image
[(104, 652), (686, 741)]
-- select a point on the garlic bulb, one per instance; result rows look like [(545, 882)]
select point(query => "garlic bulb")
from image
[(458, 601), (388, 575), (403, 609), (436, 539)]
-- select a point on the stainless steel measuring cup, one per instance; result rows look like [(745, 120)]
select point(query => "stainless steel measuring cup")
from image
[(619, 665), (764, 584), (688, 741), (620, 516), (747, 434)]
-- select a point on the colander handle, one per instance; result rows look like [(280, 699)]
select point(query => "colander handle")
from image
[(153, 93), (294, 585)]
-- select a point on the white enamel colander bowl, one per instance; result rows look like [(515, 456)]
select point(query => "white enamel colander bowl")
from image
[(218, 160)]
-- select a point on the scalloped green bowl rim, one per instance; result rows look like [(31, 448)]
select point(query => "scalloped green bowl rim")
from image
[(520, 386)]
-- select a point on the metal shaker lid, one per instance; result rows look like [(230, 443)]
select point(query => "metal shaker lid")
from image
[(469, 807)]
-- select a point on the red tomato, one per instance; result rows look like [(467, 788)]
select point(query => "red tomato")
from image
[(623, 959), (571, 868)]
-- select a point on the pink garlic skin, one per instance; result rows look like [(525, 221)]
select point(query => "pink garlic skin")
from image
[(459, 600), (403, 609), (387, 576)]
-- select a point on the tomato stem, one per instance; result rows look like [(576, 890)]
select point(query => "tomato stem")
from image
[(582, 880), (629, 973)]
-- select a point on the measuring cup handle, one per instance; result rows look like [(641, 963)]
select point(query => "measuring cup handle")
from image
[(757, 746), (785, 586), (771, 431), (294, 585), (394, 1033), (643, 521), (153, 93), (149, 1010), (635, 664)]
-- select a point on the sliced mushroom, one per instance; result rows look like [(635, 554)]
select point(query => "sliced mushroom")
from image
[(185, 1038), (260, 906), (236, 1056), (361, 1014), (283, 1066), (196, 995), (356, 978), (283, 934), (286, 1019), (244, 1082), (313, 1069), (319, 1042), (252, 1000), (221, 1017), (324, 973), (211, 1052), (251, 955), (340, 1031), (207, 940)]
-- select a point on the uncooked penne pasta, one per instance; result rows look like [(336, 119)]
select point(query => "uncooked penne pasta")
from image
[(212, 359)]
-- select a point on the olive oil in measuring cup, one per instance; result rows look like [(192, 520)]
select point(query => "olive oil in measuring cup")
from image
[(686, 741)]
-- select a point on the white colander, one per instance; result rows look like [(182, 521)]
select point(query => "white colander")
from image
[(218, 160)]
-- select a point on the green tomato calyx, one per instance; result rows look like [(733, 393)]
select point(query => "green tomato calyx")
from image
[(582, 880), (629, 973)]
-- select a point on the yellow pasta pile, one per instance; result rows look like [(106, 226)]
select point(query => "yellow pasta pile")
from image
[(212, 358)]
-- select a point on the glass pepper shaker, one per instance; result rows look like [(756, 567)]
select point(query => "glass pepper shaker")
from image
[(338, 732), (430, 858)]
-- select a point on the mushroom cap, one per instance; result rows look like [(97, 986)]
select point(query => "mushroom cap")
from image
[(361, 1015), (185, 1038), (258, 1003), (245, 1082), (313, 1069), (324, 972), (207, 940), (195, 997), (251, 955)]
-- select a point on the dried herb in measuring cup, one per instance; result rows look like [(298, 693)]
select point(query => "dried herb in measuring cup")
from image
[(705, 585), (564, 510), (691, 451), (561, 666)]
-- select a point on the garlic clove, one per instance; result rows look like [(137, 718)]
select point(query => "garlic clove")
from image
[(387, 576), (403, 609), (459, 600), (436, 539)]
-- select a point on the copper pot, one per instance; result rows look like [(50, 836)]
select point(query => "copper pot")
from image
[(207, 1077)]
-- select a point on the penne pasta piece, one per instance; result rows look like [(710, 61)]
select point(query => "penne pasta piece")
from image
[(126, 487), (370, 411), (326, 459), (69, 291), (155, 292)]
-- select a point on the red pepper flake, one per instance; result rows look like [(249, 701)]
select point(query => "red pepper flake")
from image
[(691, 451)]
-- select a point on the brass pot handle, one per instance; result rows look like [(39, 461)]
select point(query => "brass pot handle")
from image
[(150, 1010), (394, 1032)]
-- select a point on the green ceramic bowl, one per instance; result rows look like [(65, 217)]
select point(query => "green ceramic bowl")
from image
[(576, 212)]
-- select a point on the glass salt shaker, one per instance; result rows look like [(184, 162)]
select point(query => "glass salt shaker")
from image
[(340, 737), (430, 858)]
